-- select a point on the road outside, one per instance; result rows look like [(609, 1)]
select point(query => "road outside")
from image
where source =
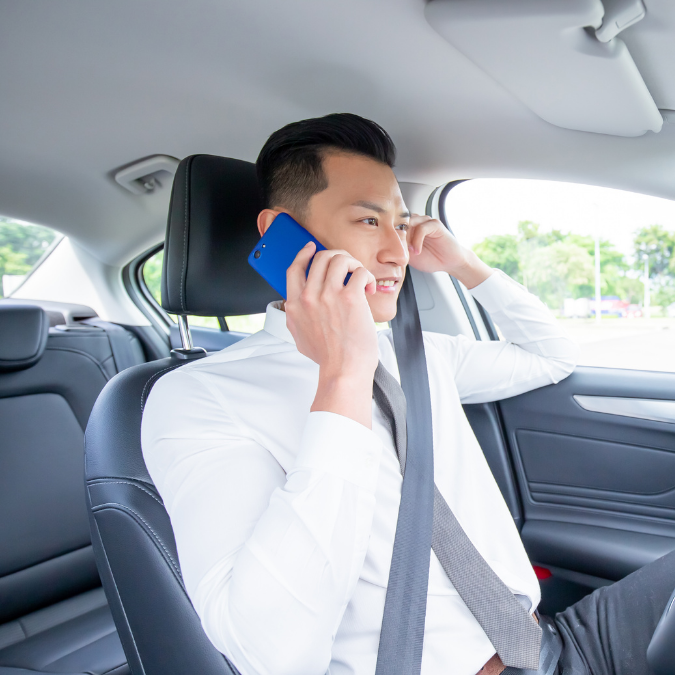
[(636, 344)]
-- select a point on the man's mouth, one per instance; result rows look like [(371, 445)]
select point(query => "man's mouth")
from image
[(387, 285)]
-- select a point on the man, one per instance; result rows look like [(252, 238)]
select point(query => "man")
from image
[(279, 471)]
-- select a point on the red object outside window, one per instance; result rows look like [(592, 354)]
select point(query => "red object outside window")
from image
[(542, 572)]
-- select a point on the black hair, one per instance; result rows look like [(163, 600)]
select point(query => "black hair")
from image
[(290, 166)]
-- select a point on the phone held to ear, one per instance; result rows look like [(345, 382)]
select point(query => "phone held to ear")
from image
[(277, 249)]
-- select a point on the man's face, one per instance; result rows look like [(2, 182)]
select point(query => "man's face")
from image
[(362, 211)]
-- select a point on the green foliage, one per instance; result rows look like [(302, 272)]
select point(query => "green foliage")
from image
[(12, 262), (501, 250), (557, 265), (30, 240), (21, 246), (656, 243), (556, 271), (152, 274)]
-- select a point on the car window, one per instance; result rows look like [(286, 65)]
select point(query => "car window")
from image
[(152, 276), (574, 244), (22, 245)]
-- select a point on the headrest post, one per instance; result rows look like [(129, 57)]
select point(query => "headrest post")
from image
[(185, 335)]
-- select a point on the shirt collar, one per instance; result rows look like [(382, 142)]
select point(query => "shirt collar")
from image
[(275, 322)]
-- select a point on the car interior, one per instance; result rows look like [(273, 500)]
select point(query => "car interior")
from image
[(131, 130)]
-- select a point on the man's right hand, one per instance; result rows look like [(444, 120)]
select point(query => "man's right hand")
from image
[(332, 324)]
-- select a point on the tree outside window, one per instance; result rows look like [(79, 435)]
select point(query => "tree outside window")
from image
[(21, 247)]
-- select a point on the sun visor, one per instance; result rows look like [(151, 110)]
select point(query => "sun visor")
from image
[(548, 56)]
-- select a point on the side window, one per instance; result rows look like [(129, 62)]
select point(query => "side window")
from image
[(152, 276), (22, 245), (601, 259)]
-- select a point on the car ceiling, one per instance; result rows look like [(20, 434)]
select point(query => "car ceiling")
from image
[(90, 87)]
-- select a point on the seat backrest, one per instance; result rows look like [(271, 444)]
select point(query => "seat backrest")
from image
[(49, 381), (133, 538), (211, 229)]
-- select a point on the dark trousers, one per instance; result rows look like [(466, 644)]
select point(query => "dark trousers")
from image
[(607, 633)]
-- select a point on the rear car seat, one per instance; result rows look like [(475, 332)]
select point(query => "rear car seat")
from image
[(54, 617)]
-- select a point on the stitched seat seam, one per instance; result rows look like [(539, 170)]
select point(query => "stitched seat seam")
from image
[(82, 353), (151, 383), (101, 507), (126, 482), (119, 597)]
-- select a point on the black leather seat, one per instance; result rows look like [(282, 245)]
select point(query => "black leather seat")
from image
[(211, 230), (54, 616)]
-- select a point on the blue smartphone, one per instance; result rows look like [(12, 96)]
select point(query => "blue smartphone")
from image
[(276, 251)]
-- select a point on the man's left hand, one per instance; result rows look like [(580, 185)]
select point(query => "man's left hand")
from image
[(434, 249)]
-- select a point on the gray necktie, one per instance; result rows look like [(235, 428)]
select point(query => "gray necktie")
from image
[(514, 634)]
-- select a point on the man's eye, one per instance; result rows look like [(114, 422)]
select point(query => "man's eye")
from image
[(370, 221), (403, 226)]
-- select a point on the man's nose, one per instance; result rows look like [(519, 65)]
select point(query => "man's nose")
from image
[(393, 247)]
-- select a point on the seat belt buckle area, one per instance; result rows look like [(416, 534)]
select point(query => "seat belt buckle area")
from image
[(549, 655)]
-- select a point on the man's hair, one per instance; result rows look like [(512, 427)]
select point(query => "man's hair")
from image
[(290, 168)]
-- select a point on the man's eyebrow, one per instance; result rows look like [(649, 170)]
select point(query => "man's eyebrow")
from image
[(372, 206), (377, 208)]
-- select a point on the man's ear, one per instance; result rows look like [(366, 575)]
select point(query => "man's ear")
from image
[(265, 218)]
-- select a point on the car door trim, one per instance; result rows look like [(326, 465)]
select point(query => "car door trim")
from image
[(641, 408)]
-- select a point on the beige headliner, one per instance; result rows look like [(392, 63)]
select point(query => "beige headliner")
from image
[(89, 87)]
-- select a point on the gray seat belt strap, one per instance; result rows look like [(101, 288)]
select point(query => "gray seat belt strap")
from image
[(402, 634), (513, 632)]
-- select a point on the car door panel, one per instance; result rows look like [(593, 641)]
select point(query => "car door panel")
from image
[(596, 489), (602, 552), (573, 459), (596, 469)]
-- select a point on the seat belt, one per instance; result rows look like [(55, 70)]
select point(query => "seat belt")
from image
[(514, 633), (120, 345), (402, 634)]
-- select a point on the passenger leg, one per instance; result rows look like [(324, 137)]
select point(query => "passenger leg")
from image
[(608, 632)]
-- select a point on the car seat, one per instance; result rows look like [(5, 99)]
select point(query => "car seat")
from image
[(211, 229), (54, 616)]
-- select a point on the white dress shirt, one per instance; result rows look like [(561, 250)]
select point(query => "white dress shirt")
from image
[(285, 519)]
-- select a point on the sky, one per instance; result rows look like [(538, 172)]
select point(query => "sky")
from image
[(485, 206)]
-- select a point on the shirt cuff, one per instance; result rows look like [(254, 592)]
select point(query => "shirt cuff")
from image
[(499, 290), (342, 447)]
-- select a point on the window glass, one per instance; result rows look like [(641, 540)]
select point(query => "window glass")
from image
[(152, 275), (21, 247), (250, 323), (569, 244)]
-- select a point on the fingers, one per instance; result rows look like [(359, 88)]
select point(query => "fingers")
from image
[(328, 272), (296, 273), (317, 272), (340, 266), (420, 228), (417, 219), (362, 280), (330, 268)]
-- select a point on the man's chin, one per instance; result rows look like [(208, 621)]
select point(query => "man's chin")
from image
[(384, 313)]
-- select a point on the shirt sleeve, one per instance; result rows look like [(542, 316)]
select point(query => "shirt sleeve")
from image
[(535, 351), (269, 560)]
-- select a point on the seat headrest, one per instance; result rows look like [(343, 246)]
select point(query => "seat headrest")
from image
[(210, 232), (23, 336)]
